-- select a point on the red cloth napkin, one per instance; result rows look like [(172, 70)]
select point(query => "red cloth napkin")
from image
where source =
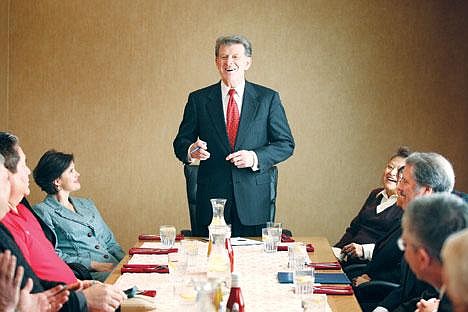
[(148, 293), (333, 290), (309, 248), (145, 269), (155, 237), (132, 265), (326, 265), (151, 251), (286, 239)]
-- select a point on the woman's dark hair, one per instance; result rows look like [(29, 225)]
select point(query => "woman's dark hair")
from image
[(403, 152), (50, 167)]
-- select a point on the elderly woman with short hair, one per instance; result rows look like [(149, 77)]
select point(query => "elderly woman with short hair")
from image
[(81, 234)]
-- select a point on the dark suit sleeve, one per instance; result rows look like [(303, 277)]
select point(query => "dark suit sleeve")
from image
[(392, 300), (355, 224), (386, 259), (281, 143), (188, 131)]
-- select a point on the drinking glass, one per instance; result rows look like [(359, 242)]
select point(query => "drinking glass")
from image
[(277, 229), (315, 303), (168, 235), (177, 264), (269, 238)]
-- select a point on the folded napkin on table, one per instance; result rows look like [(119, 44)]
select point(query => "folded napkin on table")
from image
[(133, 291), (153, 269), (286, 239), (143, 266), (309, 248), (151, 251), (335, 265), (333, 290), (155, 237)]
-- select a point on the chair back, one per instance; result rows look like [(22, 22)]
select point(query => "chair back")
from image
[(191, 174)]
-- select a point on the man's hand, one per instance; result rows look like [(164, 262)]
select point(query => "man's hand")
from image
[(430, 305), (102, 266), (198, 150), (50, 300), (354, 250), (9, 282), (241, 159), (364, 278), (103, 297)]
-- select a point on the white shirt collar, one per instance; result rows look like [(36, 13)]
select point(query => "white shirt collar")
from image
[(386, 201), (239, 89)]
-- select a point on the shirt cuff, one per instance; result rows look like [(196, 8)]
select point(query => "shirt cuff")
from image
[(255, 161), (368, 251), (380, 309), (189, 158)]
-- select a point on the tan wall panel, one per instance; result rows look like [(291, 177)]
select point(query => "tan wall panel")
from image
[(4, 64), (108, 80)]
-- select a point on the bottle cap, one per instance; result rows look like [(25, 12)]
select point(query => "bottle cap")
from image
[(235, 279)]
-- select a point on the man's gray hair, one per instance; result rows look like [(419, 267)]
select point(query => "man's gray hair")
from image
[(433, 170), (234, 39), (433, 218), (2, 160)]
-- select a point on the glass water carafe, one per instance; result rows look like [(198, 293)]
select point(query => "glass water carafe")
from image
[(218, 218), (218, 211), (219, 265)]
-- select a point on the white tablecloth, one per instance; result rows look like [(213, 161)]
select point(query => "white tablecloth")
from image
[(258, 271)]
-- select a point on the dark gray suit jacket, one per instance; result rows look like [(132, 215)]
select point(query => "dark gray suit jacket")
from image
[(263, 128)]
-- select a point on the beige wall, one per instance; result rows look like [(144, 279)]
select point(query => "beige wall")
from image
[(108, 80), (4, 63)]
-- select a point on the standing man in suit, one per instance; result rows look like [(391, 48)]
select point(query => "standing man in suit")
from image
[(239, 131)]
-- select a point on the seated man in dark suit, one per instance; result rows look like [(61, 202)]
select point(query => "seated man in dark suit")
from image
[(427, 223)]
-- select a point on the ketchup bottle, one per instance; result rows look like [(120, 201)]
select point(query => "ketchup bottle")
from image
[(235, 301)]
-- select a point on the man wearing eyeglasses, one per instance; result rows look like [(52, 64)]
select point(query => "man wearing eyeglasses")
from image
[(422, 240)]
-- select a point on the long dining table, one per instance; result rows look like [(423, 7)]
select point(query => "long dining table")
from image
[(322, 253)]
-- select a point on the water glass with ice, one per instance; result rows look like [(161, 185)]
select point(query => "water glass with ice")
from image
[(168, 235)]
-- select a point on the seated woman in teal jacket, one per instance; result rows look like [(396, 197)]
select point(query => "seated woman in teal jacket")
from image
[(81, 234)]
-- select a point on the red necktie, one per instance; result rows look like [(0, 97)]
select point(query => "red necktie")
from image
[(232, 118)]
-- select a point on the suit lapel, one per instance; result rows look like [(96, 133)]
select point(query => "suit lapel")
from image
[(215, 110), (249, 110)]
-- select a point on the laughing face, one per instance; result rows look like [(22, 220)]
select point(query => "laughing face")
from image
[(390, 175), (232, 64), (408, 189)]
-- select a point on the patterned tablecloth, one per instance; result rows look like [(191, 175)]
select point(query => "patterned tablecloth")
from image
[(258, 271)]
